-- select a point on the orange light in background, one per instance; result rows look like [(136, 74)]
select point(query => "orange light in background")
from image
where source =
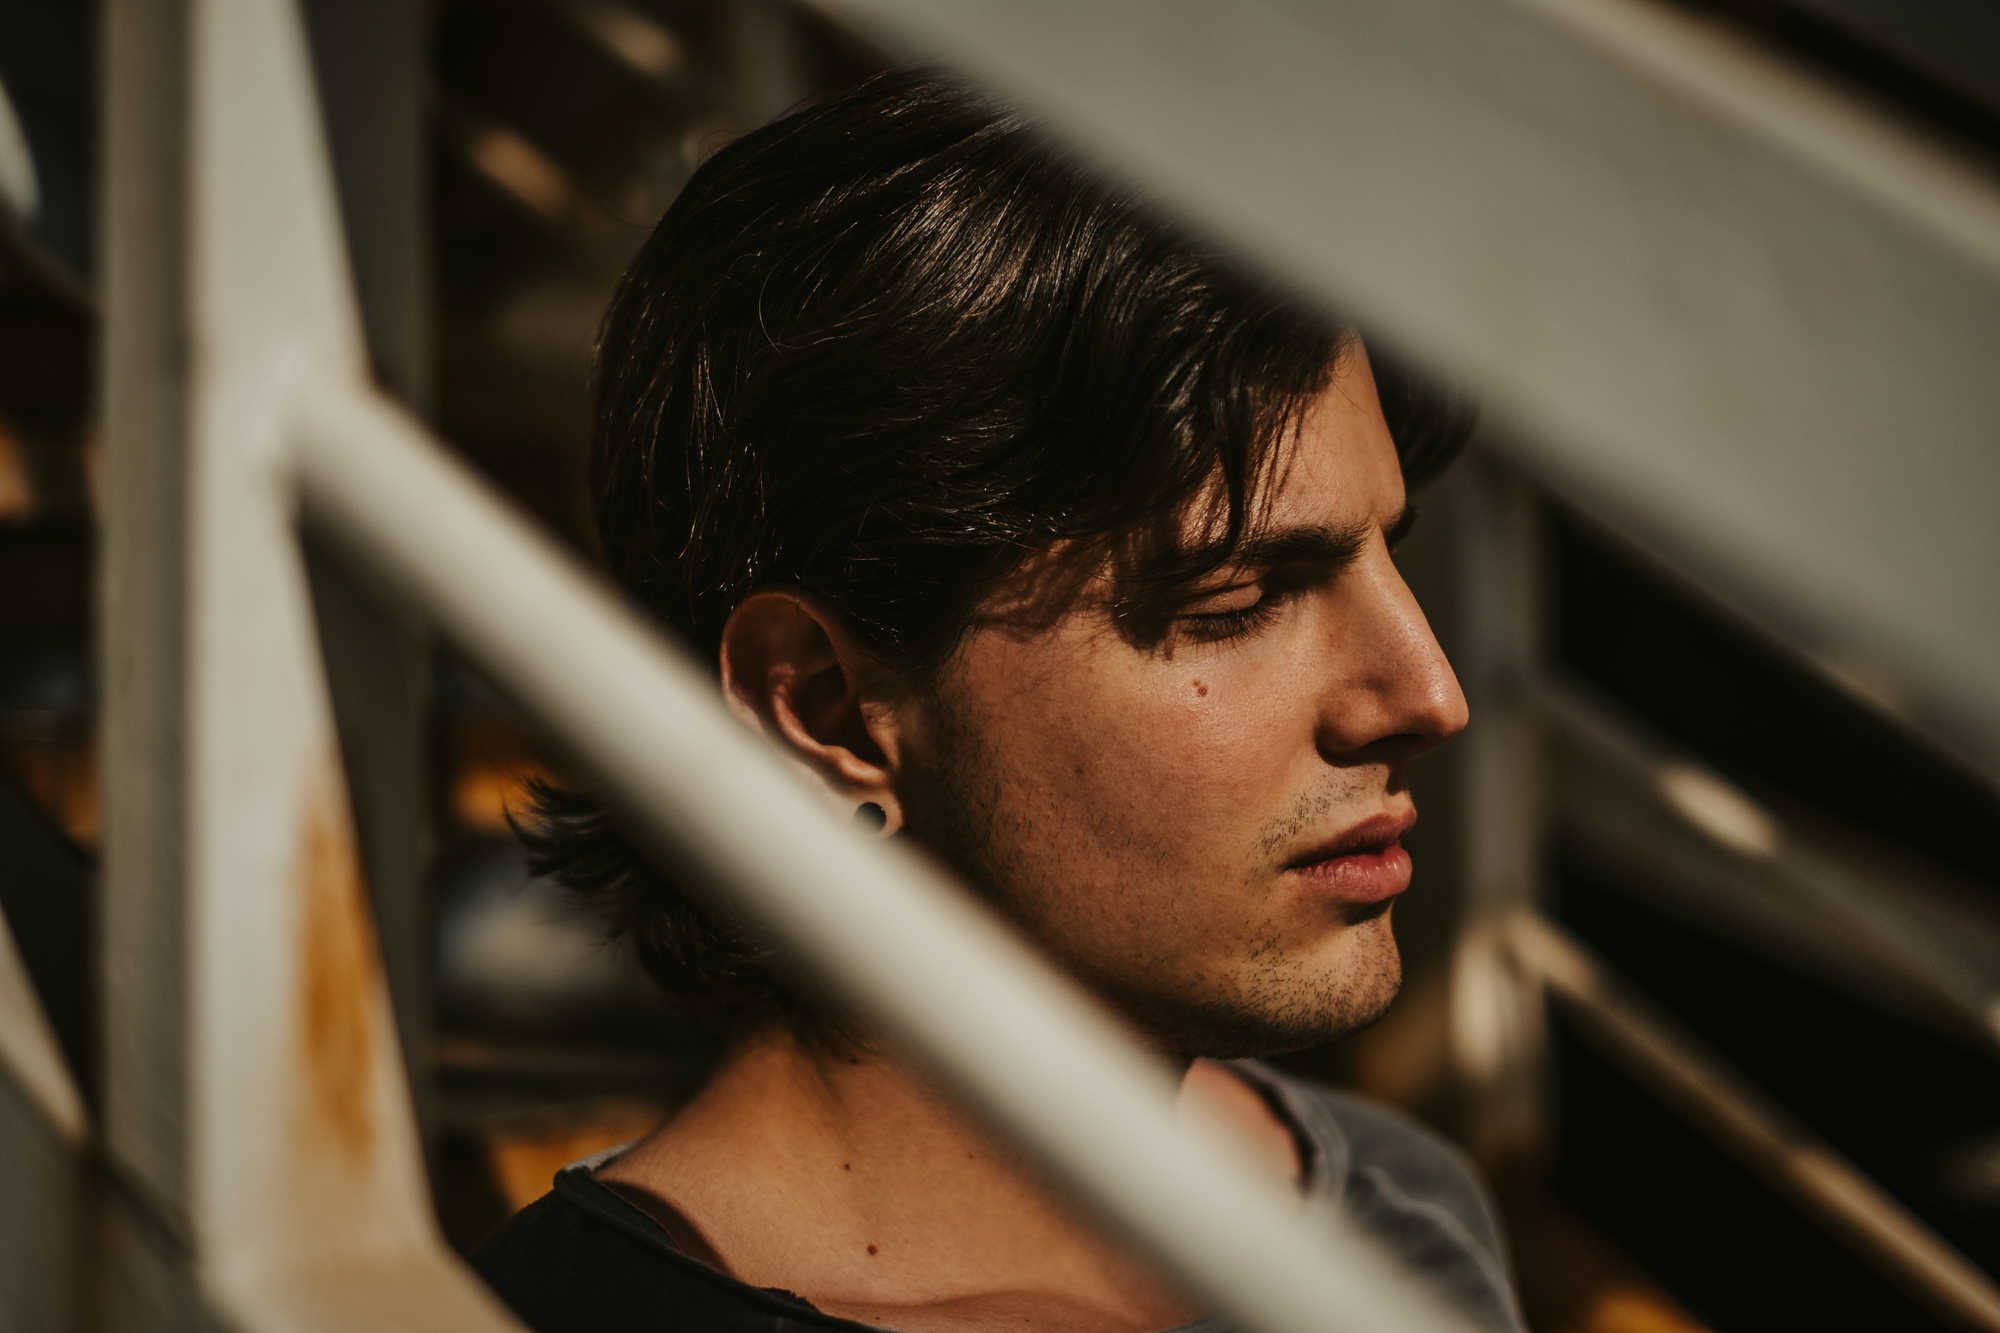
[(524, 1165), (495, 758), (54, 765), (17, 491)]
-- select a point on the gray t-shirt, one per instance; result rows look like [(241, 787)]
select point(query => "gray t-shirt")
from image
[(583, 1258), (1410, 1189)]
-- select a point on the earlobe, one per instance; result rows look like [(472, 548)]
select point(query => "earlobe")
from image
[(789, 668), (884, 821)]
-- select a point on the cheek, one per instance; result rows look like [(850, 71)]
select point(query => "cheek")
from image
[(1236, 726), (1190, 757), (1107, 760)]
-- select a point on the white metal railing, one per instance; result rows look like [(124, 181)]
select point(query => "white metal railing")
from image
[(254, 1098), (1740, 312), (936, 970), (255, 1111)]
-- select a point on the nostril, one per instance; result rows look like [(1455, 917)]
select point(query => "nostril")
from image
[(1398, 748)]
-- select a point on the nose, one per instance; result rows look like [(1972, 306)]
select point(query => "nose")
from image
[(1390, 694)]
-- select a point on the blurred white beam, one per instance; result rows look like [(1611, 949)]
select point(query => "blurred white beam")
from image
[(1744, 317), (141, 600), (369, 58), (935, 968), (258, 1107)]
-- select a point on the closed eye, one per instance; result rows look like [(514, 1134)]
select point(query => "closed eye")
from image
[(1215, 626), (1292, 558), (1232, 612)]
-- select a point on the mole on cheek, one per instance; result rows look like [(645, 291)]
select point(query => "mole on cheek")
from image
[(871, 1249), (1201, 690)]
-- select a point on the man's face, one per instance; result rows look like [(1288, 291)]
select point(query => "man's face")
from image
[(1201, 821)]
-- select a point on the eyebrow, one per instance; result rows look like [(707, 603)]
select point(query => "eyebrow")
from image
[(1331, 546)]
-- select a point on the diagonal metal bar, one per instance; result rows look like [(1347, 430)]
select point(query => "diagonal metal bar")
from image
[(1738, 313), (255, 1102), (1755, 1130), (277, 1136), (1689, 836), (1024, 1046)]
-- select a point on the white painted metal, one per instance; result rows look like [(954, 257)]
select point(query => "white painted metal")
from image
[(308, 1203), (369, 66), (292, 1162), (141, 602), (1746, 317), (273, 1132), (30, 1055), (20, 192), (1759, 1133), (44, 1136), (271, 1122), (937, 970)]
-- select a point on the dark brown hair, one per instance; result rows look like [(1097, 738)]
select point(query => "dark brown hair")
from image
[(883, 350)]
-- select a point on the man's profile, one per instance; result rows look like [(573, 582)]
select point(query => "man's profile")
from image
[(1036, 534)]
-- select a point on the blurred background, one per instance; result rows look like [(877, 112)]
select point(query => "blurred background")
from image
[(1758, 842)]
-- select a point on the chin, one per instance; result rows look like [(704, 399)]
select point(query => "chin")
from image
[(1275, 1010)]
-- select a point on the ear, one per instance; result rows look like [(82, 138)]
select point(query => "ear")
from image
[(790, 669)]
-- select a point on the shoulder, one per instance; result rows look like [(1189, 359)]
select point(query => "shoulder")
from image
[(1423, 1164), (1412, 1189), (579, 1260), (561, 1269)]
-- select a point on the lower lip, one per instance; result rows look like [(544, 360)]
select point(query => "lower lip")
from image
[(1361, 877)]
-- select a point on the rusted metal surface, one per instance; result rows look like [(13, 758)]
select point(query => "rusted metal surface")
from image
[(377, 657), (339, 972), (1021, 1043), (265, 1126), (370, 66), (259, 1119)]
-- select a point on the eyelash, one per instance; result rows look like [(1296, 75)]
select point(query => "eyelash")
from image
[(1217, 626)]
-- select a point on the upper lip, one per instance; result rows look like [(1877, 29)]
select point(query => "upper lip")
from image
[(1371, 834)]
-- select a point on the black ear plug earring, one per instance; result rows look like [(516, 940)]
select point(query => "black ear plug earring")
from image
[(871, 816)]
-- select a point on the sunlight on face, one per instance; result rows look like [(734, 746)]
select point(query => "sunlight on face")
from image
[(1203, 826)]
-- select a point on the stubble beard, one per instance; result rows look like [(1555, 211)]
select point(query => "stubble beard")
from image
[(1279, 1002)]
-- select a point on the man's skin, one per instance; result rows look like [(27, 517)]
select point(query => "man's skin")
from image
[(1195, 814)]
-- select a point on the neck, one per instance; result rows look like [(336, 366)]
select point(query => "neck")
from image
[(855, 1182)]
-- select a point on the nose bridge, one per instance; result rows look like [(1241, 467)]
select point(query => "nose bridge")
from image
[(1389, 678)]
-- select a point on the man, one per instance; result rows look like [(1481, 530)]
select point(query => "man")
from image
[(1033, 533)]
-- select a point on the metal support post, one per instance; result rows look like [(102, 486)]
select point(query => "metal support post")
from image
[(142, 617), (939, 971), (1497, 1031), (368, 58), (257, 1100)]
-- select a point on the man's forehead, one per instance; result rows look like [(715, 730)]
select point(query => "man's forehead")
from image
[(1319, 493), (1333, 480), (1340, 463)]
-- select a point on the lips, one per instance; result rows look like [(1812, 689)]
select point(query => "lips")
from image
[(1365, 864)]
